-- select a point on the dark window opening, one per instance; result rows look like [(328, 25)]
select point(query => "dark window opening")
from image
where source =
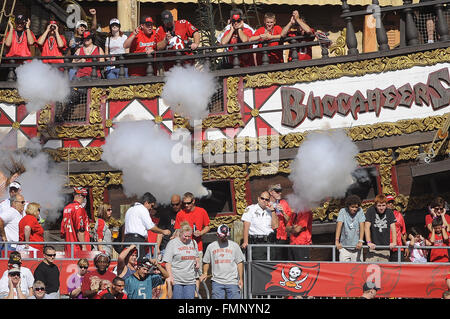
[(74, 109), (220, 200), (365, 183)]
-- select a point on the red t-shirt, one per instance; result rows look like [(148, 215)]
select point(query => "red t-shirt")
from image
[(281, 230), (86, 283), (140, 43), (429, 219), (245, 59), (183, 28), (50, 48), (198, 217), (439, 255), (274, 56), (37, 232), (74, 219), (400, 228), (304, 53), (19, 45), (303, 219)]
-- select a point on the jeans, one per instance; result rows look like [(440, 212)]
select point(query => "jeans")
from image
[(114, 73), (183, 291), (219, 291)]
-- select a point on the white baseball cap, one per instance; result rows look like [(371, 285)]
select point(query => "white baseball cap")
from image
[(114, 20), (81, 22), (16, 185)]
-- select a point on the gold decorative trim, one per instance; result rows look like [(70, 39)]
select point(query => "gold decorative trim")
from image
[(82, 154), (357, 68), (11, 96)]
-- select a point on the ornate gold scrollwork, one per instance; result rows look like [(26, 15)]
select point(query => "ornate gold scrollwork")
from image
[(82, 154)]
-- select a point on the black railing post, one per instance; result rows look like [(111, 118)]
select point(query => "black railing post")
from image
[(294, 51), (122, 67), (265, 57), (236, 62), (411, 34), (11, 73), (382, 38), (94, 70), (351, 41), (149, 70), (441, 23), (178, 61)]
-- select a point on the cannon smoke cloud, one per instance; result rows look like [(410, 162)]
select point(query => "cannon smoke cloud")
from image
[(322, 168), (39, 84), (145, 154)]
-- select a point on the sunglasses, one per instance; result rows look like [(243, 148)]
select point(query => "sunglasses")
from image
[(234, 21), (51, 255), (175, 204), (266, 199), (109, 209), (15, 274), (83, 267), (20, 201), (187, 203), (39, 289), (439, 208)]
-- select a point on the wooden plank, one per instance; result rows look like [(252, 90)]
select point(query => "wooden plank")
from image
[(432, 168)]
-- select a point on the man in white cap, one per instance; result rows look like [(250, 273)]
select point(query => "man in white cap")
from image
[(14, 188), (227, 266)]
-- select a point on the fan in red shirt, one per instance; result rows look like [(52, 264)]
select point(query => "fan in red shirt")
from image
[(141, 40), (52, 43), (115, 292), (91, 283), (439, 237), (175, 35), (400, 228), (197, 218), (299, 229), (298, 27), (19, 40), (29, 227), (284, 213), (269, 31), (238, 33), (75, 223)]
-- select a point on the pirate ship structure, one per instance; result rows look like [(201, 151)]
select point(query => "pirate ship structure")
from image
[(392, 99)]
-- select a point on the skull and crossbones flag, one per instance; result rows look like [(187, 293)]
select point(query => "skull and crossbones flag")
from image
[(286, 278)]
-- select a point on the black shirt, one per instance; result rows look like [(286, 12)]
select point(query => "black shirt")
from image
[(49, 275)]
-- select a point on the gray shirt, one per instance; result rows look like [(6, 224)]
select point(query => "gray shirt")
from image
[(350, 226), (223, 259), (182, 258)]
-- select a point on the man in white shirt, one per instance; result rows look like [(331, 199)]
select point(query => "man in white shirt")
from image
[(260, 221), (10, 218), (138, 222)]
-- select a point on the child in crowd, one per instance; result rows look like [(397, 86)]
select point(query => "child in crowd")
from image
[(416, 240), (439, 237)]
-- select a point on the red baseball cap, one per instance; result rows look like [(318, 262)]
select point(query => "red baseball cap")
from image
[(80, 191), (236, 17), (390, 198)]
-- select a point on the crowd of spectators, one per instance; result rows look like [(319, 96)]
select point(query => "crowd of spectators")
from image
[(147, 38), (180, 261)]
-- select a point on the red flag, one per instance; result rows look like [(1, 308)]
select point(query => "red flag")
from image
[(295, 277)]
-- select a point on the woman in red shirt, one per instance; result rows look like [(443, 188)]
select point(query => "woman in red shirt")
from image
[(52, 43), (87, 49), (29, 228)]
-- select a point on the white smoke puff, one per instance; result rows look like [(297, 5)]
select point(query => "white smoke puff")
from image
[(188, 91), (40, 83), (144, 154), (41, 182), (322, 168)]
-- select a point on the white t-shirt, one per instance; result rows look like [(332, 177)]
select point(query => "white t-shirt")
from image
[(260, 220), (417, 254), (11, 217), (116, 45), (137, 220)]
